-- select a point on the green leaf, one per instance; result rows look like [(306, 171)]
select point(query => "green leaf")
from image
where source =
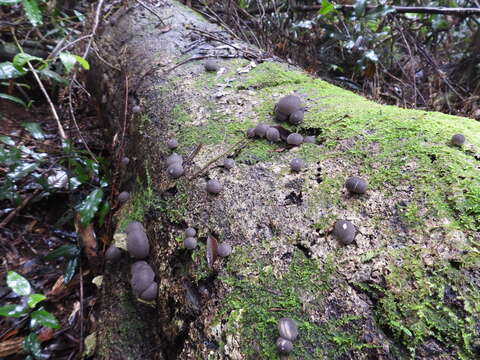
[(33, 12), (34, 299), (70, 270), (32, 345), (14, 311), (327, 8), (13, 98), (7, 140), (360, 7), (68, 251), (18, 283), (44, 318), (34, 129), (9, 2), (22, 170), (89, 206), (21, 59), (103, 212), (8, 71), (53, 75), (69, 60)]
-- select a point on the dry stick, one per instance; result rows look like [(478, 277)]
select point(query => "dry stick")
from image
[(95, 25), (58, 51), (81, 309), (242, 142), (151, 10), (22, 205)]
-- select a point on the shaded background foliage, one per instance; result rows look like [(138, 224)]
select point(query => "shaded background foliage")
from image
[(416, 60)]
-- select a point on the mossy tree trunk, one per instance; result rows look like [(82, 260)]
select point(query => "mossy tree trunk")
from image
[(407, 286)]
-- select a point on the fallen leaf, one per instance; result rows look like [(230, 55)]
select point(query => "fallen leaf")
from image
[(212, 250)]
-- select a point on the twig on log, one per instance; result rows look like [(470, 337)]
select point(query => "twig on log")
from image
[(151, 10)]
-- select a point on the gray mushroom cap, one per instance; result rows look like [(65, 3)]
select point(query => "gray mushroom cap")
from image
[(174, 158), (261, 129), (286, 106), (172, 143), (211, 65), (113, 253), (214, 186), (190, 232), (190, 243), (296, 117), (134, 225), (141, 279), (251, 132), (125, 161), (458, 139), (136, 109), (309, 139), (344, 231), (137, 265), (150, 293), (228, 163), (224, 249), (284, 346), (137, 244), (175, 170), (356, 185), (273, 134), (123, 196), (297, 164), (294, 139), (288, 329)]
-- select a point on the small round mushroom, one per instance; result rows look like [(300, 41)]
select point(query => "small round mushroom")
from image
[(309, 139), (190, 232), (356, 185), (228, 163), (211, 65), (344, 231), (214, 186), (261, 130), (137, 265), (174, 158), (137, 244), (172, 143), (113, 253), (195, 36), (190, 243), (123, 196), (286, 106), (273, 134), (150, 293), (224, 249), (296, 117), (294, 139), (136, 109), (141, 279), (458, 139), (175, 170), (125, 161), (297, 164), (251, 132), (284, 346), (134, 225), (288, 329)]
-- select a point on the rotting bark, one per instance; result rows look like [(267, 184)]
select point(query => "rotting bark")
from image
[(408, 286)]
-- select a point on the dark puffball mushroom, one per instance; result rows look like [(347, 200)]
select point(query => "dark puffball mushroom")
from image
[(284, 346), (261, 130), (174, 158), (309, 139), (228, 163), (356, 185), (286, 106), (297, 164), (251, 132), (195, 36), (137, 244), (211, 65), (175, 170), (296, 117), (344, 231), (125, 161), (136, 109), (123, 196), (458, 139), (214, 186), (137, 265), (294, 139), (190, 232), (172, 143), (224, 250), (151, 293), (190, 243), (134, 225), (113, 253), (141, 279), (273, 134), (288, 329)]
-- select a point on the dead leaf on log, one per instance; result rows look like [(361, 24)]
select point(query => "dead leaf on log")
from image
[(89, 240), (212, 250)]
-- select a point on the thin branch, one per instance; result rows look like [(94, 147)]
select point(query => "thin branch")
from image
[(95, 25), (145, 6)]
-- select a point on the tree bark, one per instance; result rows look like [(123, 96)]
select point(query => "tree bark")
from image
[(414, 261)]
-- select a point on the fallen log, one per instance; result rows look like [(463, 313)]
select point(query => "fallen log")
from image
[(405, 284)]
